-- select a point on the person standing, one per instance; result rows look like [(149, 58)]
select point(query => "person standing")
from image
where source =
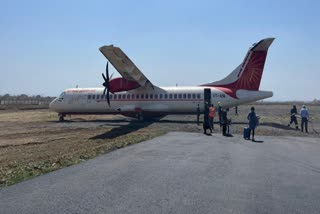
[(206, 123), (304, 113), (211, 115), (219, 113), (293, 118), (224, 121), (198, 114), (253, 120)]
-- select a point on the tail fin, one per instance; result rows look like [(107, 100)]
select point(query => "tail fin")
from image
[(248, 74)]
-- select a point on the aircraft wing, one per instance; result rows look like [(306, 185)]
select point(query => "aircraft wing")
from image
[(124, 65)]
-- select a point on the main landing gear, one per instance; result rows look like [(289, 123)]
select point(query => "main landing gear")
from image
[(61, 117), (139, 114)]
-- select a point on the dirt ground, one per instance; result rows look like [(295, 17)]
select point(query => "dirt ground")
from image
[(33, 142)]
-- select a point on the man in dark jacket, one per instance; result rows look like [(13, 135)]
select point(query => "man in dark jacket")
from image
[(224, 121), (293, 118), (198, 114), (253, 122), (206, 124)]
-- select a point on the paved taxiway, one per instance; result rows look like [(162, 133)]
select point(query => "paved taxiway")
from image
[(182, 173)]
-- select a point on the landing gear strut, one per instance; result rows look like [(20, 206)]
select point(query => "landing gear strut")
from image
[(139, 114), (61, 117)]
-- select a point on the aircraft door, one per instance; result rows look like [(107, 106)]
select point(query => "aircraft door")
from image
[(207, 96)]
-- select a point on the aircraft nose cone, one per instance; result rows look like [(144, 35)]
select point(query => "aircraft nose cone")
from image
[(52, 104)]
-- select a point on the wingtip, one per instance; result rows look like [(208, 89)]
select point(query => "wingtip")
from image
[(106, 47)]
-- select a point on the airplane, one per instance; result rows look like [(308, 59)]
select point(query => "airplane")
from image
[(134, 95)]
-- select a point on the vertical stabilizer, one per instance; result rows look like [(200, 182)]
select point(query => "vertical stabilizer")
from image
[(248, 74)]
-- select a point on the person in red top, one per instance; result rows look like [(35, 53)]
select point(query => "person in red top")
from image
[(212, 112)]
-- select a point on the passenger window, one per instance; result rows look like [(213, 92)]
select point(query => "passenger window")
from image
[(184, 96), (115, 96), (180, 96), (93, 97), (189, 96), (89, 97), (156, 96), (198, 96), (151, 96), (170, 96), (137, 96), (175, 96), (160, 96), (142, 96), (165, 96), (128, 96), (98, 97), (147, 96), (132, 96), (110, 96), (193, 96)]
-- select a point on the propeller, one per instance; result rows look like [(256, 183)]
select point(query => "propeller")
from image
[(106, 83)]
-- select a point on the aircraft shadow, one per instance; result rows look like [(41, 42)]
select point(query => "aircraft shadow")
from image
[(122, 130), (93, 121), (177, 121)]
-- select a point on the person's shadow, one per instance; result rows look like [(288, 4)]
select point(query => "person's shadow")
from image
[(257, 141)]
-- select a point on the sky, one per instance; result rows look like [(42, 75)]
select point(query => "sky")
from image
[(48, 46)]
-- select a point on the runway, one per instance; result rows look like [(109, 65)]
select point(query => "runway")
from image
[(182, 173)]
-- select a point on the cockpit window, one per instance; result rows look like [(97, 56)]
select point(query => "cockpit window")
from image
[(62, 94)]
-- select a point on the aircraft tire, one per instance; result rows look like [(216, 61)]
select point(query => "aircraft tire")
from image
[(140, 116)]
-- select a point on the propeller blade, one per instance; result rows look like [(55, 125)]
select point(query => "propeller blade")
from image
[(107, 71), (106, 83), (105, 79), (108, 99), (111, 76)]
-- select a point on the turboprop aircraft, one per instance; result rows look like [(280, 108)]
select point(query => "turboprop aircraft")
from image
[(134, 95)]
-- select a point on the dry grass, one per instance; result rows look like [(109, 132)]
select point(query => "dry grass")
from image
[(33, 142)]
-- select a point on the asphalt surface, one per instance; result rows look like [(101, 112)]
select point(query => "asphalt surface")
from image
[(182, 173)]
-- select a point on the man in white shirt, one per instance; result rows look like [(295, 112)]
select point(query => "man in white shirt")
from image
[(304, 113)]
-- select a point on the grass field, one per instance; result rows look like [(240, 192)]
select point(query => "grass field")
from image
[(32, 142)]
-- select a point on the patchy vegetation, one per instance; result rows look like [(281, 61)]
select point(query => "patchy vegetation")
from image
[(33, 143)]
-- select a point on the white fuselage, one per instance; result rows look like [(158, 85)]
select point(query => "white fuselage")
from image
[(161, 101)]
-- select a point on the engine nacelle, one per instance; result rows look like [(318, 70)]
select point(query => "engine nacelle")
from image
[(121, 84)]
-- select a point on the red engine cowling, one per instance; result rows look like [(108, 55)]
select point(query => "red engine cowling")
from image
[(121, 84)]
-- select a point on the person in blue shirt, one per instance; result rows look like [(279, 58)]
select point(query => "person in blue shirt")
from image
[(304, 113), (253, 122)]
